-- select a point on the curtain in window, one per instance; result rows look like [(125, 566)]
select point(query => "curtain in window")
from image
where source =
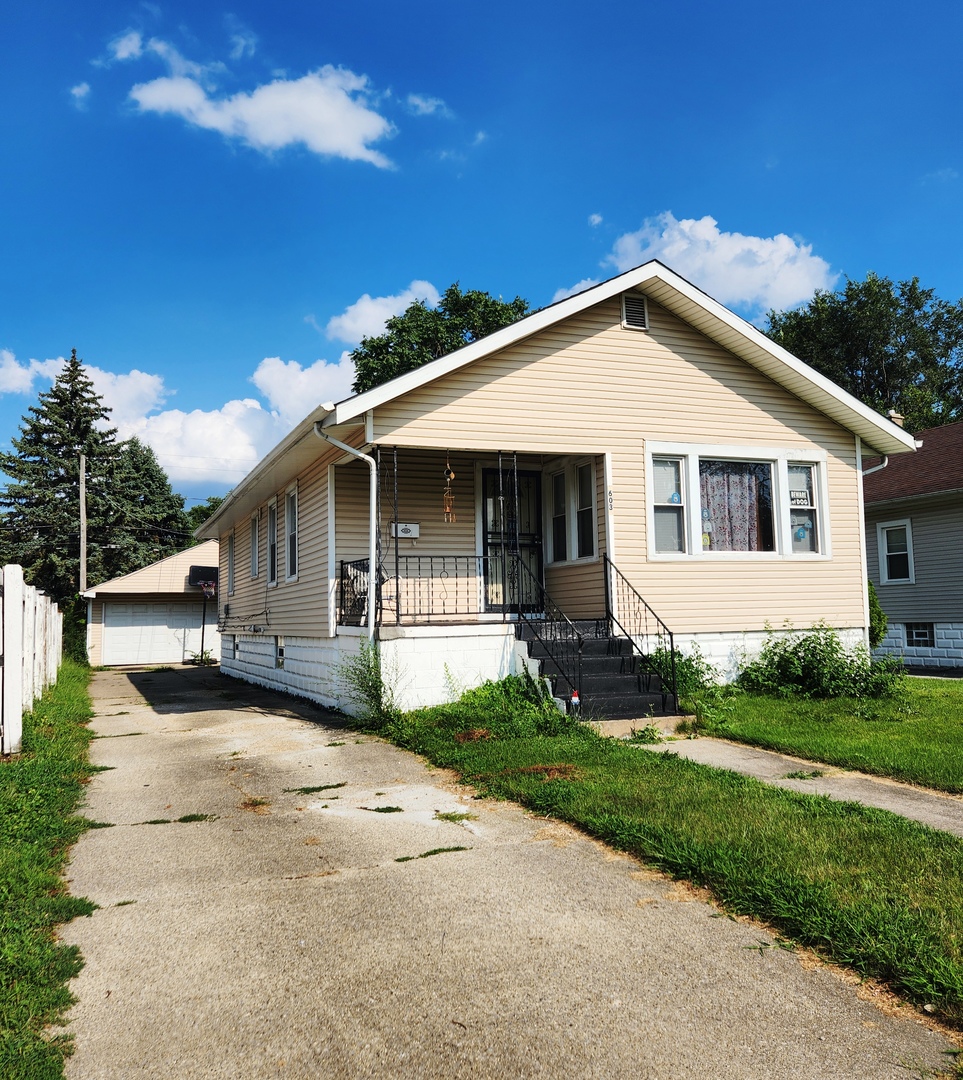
[(736, 499)]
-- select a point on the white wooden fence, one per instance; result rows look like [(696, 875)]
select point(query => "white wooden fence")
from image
[(32, 648)]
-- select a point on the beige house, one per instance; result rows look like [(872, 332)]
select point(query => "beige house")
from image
[(153, 616), (632, 468)]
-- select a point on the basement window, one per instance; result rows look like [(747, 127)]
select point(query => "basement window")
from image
[(920, 635)]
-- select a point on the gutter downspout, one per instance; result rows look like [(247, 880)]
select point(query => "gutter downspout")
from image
[(372, 521), (876, 468)]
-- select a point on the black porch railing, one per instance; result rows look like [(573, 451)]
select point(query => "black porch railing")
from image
[(437, 587), (651, 640)]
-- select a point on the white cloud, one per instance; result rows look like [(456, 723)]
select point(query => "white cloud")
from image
[(941, 176), (293, 391), (749, 272), (422, 105), (217, 446), (579, 286), (594, 220), (128, 46), (243, 41), (178, 65), (327, 111), (17, 378), (80, 93), (129, 396), (367, 316)]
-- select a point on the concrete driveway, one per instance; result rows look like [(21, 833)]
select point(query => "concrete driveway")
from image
[(283, 938)]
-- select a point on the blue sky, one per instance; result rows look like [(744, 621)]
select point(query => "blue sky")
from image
[(213, 203)]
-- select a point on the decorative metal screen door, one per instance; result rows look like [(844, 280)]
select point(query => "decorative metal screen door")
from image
[(504, 533)]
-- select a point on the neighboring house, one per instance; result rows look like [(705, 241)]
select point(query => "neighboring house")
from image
[(634, 449), (914, 525), (152, 616)]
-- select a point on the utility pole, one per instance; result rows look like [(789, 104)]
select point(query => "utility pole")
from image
[(83, 523)]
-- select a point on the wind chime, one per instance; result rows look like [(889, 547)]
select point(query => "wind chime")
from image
[(448, 496)]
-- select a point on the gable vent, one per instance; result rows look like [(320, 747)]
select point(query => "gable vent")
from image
[(635, 311)]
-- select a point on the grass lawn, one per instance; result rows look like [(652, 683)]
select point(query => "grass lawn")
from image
[(916, 736), (865, 888), (40, 791)]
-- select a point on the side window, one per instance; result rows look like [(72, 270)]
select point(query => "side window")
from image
[(669, 504), (559, 518), (272, 542), (895, 540), (585, 510), (255, 539), (291, 533), (230, 563)]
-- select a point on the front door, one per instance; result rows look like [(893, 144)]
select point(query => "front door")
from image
[(509, 521)]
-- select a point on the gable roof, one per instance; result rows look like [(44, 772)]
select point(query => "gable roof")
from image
[(937, 466), (691, 305), (652, 279), (164, 576)]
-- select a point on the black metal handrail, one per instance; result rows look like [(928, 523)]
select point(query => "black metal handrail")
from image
[(554, 631), (650, 639)]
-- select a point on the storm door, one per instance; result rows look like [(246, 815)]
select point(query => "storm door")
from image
[(512, 522)]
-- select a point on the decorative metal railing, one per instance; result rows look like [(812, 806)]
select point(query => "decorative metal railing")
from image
[(555, 632), (631, 617)]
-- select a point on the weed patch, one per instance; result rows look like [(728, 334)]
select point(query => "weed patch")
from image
[(40, 790), (188, 818), (454, 816), (384, 809), (428, 854), (312, 790)]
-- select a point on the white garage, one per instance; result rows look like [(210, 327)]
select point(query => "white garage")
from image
[(157, 633), (153, 616)]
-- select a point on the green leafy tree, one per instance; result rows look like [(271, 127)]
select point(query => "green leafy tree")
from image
[(198, 514), (893, 346), (422, 333), (133, 517)]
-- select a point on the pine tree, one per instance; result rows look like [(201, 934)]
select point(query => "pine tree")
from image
[(133, 516)]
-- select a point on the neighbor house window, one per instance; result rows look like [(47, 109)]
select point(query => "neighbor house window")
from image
[(895, 540), (713, 500), (272, 542), (255, 538), (230, 563), (573, 528), (291, 532), (920, 635)]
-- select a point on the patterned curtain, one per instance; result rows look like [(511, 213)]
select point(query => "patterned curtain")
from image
[(736, 505)]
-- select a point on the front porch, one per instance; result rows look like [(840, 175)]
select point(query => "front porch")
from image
[(517, 539)]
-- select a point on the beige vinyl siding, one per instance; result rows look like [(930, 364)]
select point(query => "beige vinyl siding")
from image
[(289, 607), (587, 386), (95, 633), (936, 525)]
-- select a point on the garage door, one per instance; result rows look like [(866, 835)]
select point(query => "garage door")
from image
[(155, 633)]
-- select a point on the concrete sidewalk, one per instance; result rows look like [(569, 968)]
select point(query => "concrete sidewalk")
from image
[(933, 808), (283, 938)]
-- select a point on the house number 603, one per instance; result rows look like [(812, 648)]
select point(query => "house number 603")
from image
[(611, 500)]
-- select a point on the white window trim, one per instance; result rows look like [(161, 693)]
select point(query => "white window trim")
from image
[(881, 527), (780, 458), (292, 493), (570, 467), (255, 534), (272, 508)]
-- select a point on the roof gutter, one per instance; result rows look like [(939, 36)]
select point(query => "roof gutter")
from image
[(876, 468), (372, 520)]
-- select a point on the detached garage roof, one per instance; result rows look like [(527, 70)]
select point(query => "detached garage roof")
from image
[(165, 576)]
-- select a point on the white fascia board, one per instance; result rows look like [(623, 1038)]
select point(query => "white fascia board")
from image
[(695, 307)]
